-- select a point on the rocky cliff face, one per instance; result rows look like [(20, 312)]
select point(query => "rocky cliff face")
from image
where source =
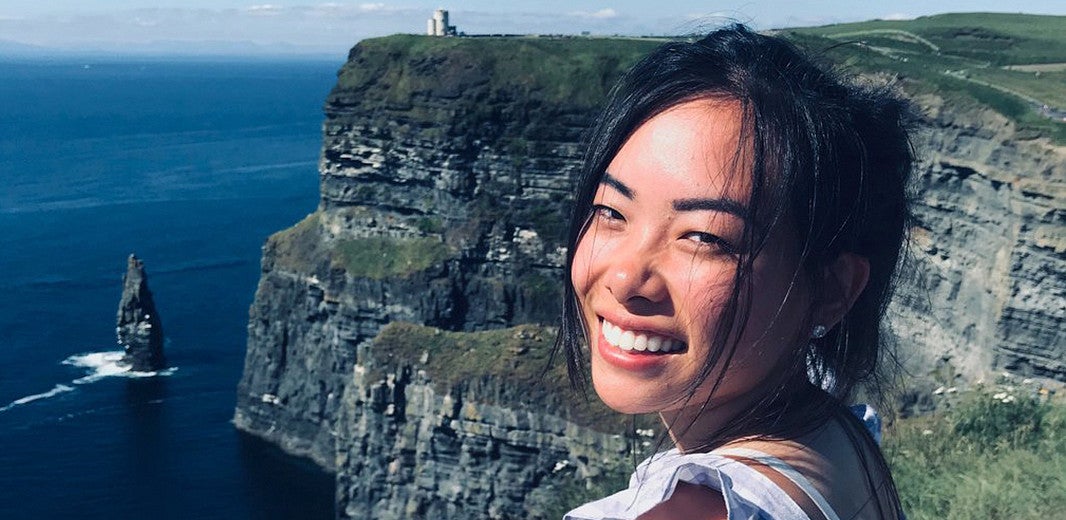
[(428, 432), (445, 174), (986, 286)]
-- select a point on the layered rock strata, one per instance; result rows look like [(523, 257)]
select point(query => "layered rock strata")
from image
[(139, 329), (985, 287), (428, 431)]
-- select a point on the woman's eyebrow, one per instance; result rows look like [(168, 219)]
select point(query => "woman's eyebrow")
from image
[(618, 185), (721, 205)]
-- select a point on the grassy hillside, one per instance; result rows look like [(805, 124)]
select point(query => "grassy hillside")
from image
[(561, 70), (991, 453), (1014, 63), (996, 38)]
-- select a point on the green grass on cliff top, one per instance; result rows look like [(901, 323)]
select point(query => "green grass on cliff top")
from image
[(1012, 63), (996, 38), (967, 58), (561, 70)]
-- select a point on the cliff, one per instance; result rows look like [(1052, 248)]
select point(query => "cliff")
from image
[(985, 289), (445, 176)]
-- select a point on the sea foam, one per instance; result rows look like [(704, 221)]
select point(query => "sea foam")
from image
[(98, 365), (108, 364), (58, 389)]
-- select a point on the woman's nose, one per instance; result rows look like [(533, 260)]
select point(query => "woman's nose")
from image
[(634, 278)]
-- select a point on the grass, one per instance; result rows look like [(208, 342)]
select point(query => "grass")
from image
[(383, 257), (298, 248), (1049, 87), (961, 57), (571, 70), (995, 454), (495, 90), (997, 38)]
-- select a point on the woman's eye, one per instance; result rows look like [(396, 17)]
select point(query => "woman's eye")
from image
[(710, 239), (606, 213)]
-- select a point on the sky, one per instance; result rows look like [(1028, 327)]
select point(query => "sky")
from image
[(332, 27)]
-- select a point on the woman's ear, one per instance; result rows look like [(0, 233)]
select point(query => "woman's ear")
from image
[(841, 284)]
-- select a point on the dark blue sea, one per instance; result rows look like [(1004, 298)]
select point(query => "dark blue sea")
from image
[(190, 165)]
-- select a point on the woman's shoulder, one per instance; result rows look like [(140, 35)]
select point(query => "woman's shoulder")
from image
[(673, 485), (824, 474), (835, 468)]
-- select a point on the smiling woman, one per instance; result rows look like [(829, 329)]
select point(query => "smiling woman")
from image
[(733, 248)]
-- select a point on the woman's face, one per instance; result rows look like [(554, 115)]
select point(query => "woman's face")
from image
[(655, 268)]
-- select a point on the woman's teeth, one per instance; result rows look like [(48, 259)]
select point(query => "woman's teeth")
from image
[(629, 340)]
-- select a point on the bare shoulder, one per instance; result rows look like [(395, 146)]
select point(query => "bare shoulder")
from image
[(845, 472), (689, 501)]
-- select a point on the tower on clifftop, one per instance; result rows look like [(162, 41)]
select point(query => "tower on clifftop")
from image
[(438, 25)]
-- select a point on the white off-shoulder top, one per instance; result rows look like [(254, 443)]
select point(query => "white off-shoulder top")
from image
[(751, 492)]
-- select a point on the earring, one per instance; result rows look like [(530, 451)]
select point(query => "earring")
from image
[(819, 331)]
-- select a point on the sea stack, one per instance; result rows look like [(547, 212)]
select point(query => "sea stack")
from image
[(139, 330)]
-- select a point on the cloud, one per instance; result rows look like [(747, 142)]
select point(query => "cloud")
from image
[(708, 16), (372, 7), (897, 16), (264, 9), (145, 22), (603, 14)]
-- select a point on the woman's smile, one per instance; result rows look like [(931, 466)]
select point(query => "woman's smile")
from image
[(639, 341)]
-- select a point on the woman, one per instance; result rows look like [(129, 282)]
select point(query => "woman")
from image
[(733, 249)]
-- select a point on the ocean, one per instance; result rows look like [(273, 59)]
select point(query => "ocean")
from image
[(190, 165)]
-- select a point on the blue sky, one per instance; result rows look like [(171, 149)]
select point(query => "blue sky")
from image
[(333, 26)]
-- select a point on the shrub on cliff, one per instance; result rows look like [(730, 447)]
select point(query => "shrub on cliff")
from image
[(383, 257)]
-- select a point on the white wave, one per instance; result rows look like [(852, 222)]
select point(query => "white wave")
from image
[(58, 389), (108, 364), (267, 167), (99, 365)]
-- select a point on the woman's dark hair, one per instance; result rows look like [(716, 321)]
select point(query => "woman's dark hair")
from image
[(830, 157)]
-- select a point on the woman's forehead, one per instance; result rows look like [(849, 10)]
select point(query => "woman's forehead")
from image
[(692, 149)]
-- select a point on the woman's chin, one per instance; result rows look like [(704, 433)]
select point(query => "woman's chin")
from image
[(623, 398)]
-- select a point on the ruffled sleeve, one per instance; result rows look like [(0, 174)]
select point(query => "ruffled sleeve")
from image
[(748, 494)]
